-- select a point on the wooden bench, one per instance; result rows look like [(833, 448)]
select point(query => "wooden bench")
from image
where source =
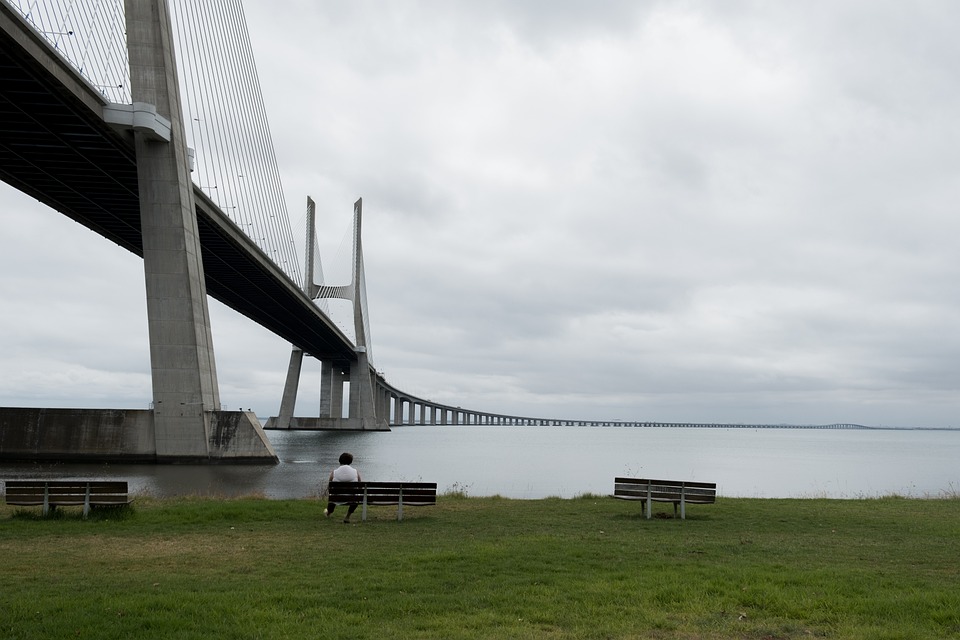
[(410, 494), (67, 493), (679, 493)]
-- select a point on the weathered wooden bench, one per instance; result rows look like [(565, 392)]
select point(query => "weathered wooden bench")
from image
[(679, 493), (409, 494), (67, 493)]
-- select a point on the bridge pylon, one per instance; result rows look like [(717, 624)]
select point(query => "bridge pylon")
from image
[(185, 422), (186, 397), (362, 414)]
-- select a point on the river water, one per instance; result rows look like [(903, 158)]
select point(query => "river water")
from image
[(537, 462)]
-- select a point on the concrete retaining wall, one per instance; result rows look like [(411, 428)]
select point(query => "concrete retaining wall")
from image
[(121, 435)]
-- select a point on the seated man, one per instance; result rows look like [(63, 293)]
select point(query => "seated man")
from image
[(343, 473)]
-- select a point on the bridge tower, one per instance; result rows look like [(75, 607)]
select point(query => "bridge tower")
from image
[(362, 407), (363, 413), (187, 417)]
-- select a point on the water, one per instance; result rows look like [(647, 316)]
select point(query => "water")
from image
[(537, 462)]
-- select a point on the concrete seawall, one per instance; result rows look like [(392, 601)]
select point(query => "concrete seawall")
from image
[(123, 435)]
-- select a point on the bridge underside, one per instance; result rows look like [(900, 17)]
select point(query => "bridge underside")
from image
[(55, 147)]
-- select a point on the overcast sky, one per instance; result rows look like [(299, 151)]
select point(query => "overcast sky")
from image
[(678, 211)]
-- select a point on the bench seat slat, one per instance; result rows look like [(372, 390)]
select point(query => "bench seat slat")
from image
[(419, 493), (666, 483), (641, 494), (62, 498)]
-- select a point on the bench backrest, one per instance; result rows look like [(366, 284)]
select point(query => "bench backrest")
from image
[(66, 492), (379, 493), (666, 490)]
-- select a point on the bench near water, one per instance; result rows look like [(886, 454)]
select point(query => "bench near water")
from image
[(410, 494), (678, 492), (67, 493)]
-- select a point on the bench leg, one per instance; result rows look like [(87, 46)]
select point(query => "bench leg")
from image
[(648, 508), (86, 502), (400, 507), (363, 511)]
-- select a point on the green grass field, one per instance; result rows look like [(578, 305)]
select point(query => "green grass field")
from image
[(590, 567)]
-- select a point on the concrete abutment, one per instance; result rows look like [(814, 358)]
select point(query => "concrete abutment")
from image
[(125, 435)]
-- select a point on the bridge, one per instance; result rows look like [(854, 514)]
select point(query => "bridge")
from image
[(115, 158), (85, 150)]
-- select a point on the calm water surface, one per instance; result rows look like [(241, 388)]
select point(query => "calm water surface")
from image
[(536, 462)]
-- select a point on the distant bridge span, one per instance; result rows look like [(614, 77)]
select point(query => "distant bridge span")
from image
[(428, 413)]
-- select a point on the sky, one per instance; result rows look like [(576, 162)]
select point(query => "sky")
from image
[(738, 212)]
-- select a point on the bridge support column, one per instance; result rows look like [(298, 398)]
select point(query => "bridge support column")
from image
[(185, 392), (336, 393), (383, 404), (326, 389), (362, 410), (289, 400)]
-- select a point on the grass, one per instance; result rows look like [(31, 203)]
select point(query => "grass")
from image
[(590, 567)]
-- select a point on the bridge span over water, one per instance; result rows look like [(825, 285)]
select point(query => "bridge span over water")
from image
[(118, 163), (123, 169), (456, 417)]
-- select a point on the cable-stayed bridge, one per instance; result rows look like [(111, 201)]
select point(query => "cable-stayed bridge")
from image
[(144, 121), (174, 162)]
